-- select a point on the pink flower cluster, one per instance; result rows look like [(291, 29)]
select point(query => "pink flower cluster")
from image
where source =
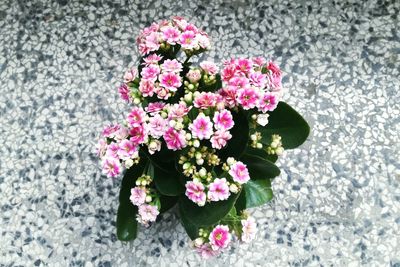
[(251, 83), (166, 33)]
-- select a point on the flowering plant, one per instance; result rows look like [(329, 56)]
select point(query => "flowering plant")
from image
[(197, 136)]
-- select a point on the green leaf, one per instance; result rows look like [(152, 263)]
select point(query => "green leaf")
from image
[(240, 137), (126, 221), (261, 153), (167, 202), (207, 215), (260, 168), (126, 215), (191, 229), (167, 181), (289, 124), (257, 192)]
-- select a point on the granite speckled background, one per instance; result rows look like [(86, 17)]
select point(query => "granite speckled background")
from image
[(337, 202)]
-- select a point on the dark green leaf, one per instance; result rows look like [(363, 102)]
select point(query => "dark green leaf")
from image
[(210, 214), (240, 137), (289, 124), (260, 168), (126, 221), (167, 202), (261, 153), (191, 229), (167, 181), (257, 192)]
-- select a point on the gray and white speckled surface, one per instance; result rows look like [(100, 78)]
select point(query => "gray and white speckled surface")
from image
[(338, 199)]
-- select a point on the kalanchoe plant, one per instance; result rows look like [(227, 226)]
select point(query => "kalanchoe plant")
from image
[(198, 137)]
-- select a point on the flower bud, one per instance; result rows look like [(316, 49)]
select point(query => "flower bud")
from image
[(279, 151), (128, 163), (230, 161), (196, 143), (259, 145), (200, 161), (198, 241), (233, 188), (148, 199), (186, 165), (203, 172)]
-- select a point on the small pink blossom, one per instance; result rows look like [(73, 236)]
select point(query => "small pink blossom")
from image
[(162, 93), (157, 126), (109, 130), (209, 67), (175, 139), (244, 65), (111, 166), (151, 72), (101, 147), (258, 79), (138, 134), (121, 133), (248, 98), (187, 40), (126, 149), (155, 107), (146, 87), (203, 40), (171, 66), (147, 213), (223, 120), (239, 172), (259, 61), (178, 110), (276, 75), (220, 237), (152, 42), (249, 229), (267, 103), (239, 82), (194, 75), (136, 116), (204, 100), (112, 150), (229, 95), (123, 91), (152, 59), (228, 72), (130, 75), (138, 196), (195, 192), (206, 251), (171, 34), (201, 127), (220, 139), (218, 190), (170, 80)]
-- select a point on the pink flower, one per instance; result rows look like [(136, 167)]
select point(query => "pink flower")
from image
[(152, 59), (109, 130), (138, 196), (259, 61), (228, 72), (178, 110), (194, 75), (130, 75), (239, 82), (121, 133), (111, 166), (201, 127), (150, 72), (247, 97), (206, 251), (203, 40), (204, 100), (152, 42), (175, 139), (126, 149), (138, 134), (157, 126), (223, 120), (147, 213), (220, 139), (170, 34), (112, 150), (220, 237), (276, 75), (267, 103), (171, 66), (209, 67), (239, 172), (218, 190), (195, 192), (229, 96), (146, 87), (155, 107), (162, 93), (258, 79), (136, 116), (170, 81), (249, 229), (187, 40), (244, 65)]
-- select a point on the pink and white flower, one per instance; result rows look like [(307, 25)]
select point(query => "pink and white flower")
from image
[(123, 90), (206, 251), (147, 213), (146, 87), (126, 149), (249, 229), (175, 139), (151, 72), (239, 172), (187, 40), (195, 192), (244, 65), (201, 127), (101, 147), (109, 130), (248, 98), (138, 134), (220, 237), (157, 126), (152, 59), (171, 66), (170, 80), (130, 75), (170, 34), (220, 139), (276, 75), (136, 116), (223, 120), (209, 67), (138, 196), (155, 107), (258, 79), (194, 75), (205, 100), (112, 150), (111, 166), (218, 190), (268, 102), (178, 110)]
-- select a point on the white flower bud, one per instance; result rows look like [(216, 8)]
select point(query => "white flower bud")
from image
[(259, 145), (274, 144), (198, 155), (128, 163), (279, 151), (233, 188), (188, 136), (253, 137), (198, 241), (188, 97), (254, 116), (136, 101), (200, 161), (138, 182), (262, 119), (144, 182), (203, 172), (230, 161), (186, 165), (148, 199), (196, 143), (172, 123)]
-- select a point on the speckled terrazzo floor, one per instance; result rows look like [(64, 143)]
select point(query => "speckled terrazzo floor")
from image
[(337, 202)]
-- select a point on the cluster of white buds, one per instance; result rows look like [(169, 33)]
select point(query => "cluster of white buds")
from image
[(275, 148), (144, 180), (255, 140)]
